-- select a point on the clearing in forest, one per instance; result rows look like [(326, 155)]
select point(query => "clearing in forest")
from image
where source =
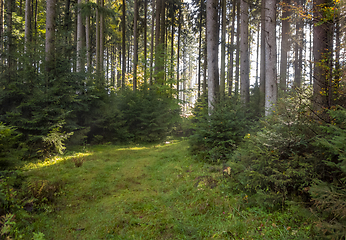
[(144, 192)]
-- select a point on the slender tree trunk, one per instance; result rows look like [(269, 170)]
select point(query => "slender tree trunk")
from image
[(257, 51), (98, 39), (298, 49), (27, 23), (223, 50), (212, 45), (123, 48), (284, 44), (178, 54), (50, 35), (270, 45), (199, 55), (263, 57), (79, 38), (172, 49), (230, 79), (1, 32), (236, 84), (152, 43), (135, 47), (10, 40), (87, 41), (101, 40), (244, 50), (145, 42)]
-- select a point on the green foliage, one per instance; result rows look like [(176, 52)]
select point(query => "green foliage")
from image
[(294, 158), (217, 135), (11, 151), (136, 116)]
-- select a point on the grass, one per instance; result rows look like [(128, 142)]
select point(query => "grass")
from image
[(144, 192)]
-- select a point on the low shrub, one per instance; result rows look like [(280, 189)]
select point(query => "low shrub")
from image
[(214, 137)]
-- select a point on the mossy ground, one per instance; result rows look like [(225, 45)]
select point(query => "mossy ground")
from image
[(148, 192)]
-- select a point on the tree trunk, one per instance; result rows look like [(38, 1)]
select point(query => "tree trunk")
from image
[(10, 40), (101, 40), (199, 56), (236, 84), (244, 50), (270, 45), (27, 23), (79, 38), (152, 43), (98, 39), (178, 54), (135, 45), (123, 48), (145, 43), (87, 41), (321, 51), (223, 50), (263, 57), (212, 48), (230, 79), (284, 44), (50, 35)]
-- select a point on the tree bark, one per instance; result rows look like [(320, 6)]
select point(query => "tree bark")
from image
[(135, 45), (263, 57), (223, 50), (87, 41), (98, 38), (244, 49), (123, 48), (212, 48), (230, 70), (50, 35), (145, 42), (270, 60), (79, 38), (236, 84), (284, 44), (321, 51), (27, 23), (101, 44), (152, 43), (178, 54)]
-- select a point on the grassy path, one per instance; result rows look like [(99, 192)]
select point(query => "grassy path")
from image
[(143, 192)]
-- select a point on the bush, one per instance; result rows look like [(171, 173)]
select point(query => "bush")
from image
[(11, 151), (216, 136)]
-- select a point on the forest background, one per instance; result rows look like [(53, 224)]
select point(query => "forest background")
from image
[(81, 72)]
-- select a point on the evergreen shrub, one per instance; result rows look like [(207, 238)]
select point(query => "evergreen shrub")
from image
[(214, 137), (11, 151)]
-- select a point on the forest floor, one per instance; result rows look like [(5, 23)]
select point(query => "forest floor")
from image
[(145, 192)]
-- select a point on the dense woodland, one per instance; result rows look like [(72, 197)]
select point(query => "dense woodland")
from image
[(256, 86)]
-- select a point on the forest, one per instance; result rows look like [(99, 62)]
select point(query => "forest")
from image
[(232, 107)]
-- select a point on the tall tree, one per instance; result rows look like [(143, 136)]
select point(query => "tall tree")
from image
[(244, 49), (263, 57), (231, 49), (123, 47), (135, 43), (87, 40), (270, 56), (237, 64), (27, 23), (321, 52), (212, 48), (284, 43), (102, 37), (223, 49), (98, 37), (152, 42), (79, 38), (50, 34)]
